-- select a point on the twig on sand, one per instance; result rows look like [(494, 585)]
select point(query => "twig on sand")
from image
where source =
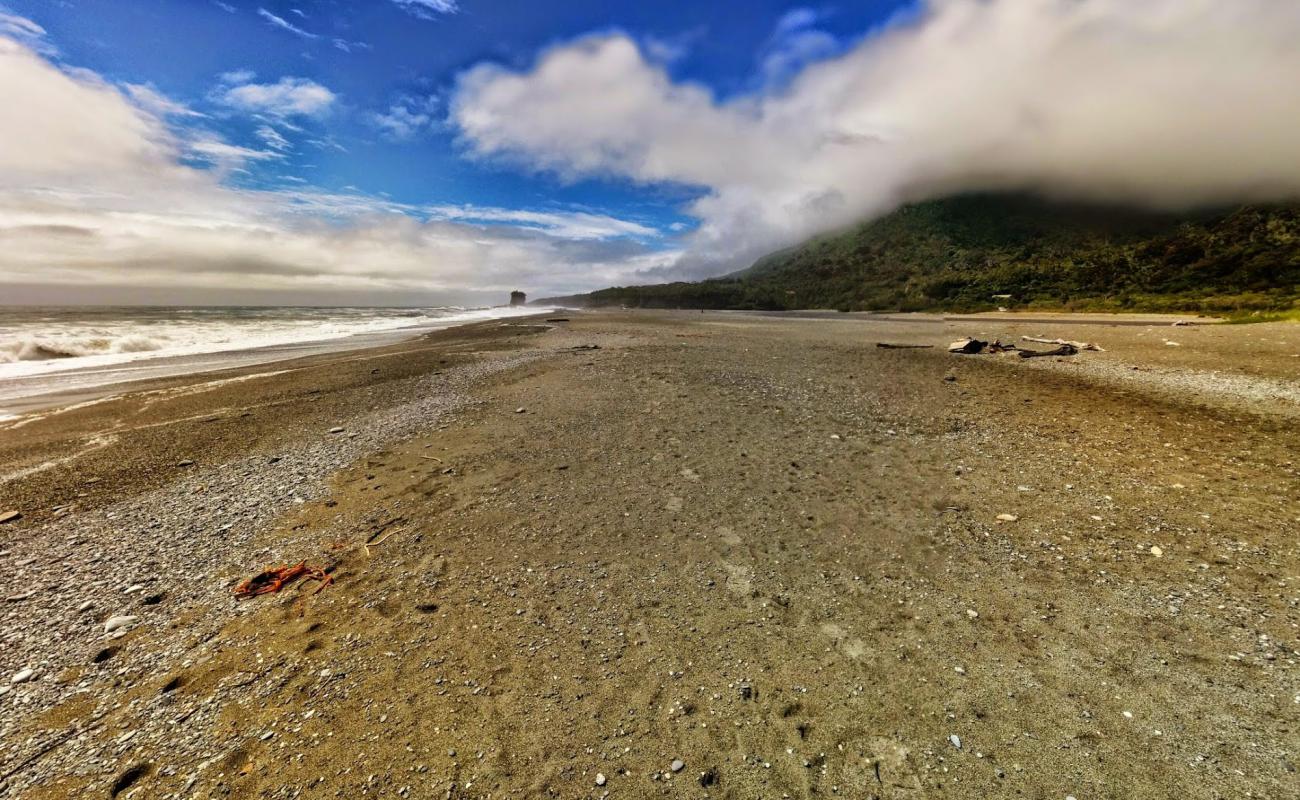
[(381, 539), (432, 458)]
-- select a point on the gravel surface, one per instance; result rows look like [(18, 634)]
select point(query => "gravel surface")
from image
[(673, 555)]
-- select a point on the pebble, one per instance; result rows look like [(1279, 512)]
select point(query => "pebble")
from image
[(123, 621), (10, 516), (972, 613), (185, 463), (600, 779), (519, 410), (678, 765), (1157, 551), (955, 739), (336, 430), (23, 675), (1007, 518), (86, 606), (133, 588)]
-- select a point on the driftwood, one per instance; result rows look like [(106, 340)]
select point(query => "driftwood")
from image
[(1066, 349), (888, 346), (967, 346), (1063, 342)]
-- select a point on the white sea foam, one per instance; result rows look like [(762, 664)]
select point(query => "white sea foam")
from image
[(69, 339), (82, 352)]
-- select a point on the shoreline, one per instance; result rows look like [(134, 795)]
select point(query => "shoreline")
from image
[(17, 400), (765, 548)]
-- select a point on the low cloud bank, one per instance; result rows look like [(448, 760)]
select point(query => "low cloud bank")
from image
[(1167, 103)]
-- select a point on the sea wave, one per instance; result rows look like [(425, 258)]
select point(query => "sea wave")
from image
[(36, 348)]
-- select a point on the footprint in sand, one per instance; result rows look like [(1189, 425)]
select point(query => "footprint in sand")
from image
[(740, 580), (853, 648)]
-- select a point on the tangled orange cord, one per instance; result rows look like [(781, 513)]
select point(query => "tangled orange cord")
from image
[(273, 579)]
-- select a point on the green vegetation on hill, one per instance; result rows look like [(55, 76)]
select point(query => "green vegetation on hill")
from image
[(961, 253)]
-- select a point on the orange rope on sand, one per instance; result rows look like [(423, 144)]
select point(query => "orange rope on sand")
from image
[(273, 579)]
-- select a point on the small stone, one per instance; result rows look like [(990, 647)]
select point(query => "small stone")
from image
[(600, 779), (519, 410), (678, 765), (1156, 551), (336, 429), (451, 753), (1007, 518), (185, 463), (10, 516), (133, 588), (122, 621), (23, 675), (86, 606), (1127, 714), (959, 670), (955, 739), (972, 613)]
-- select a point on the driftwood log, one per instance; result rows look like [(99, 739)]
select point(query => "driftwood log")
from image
[(1066, 349), (1063, 342)]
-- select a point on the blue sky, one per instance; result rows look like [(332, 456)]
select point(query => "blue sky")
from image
[(428, 151), (379, 55)]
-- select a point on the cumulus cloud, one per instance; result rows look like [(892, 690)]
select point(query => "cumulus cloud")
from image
[(99, 197), (1169, 103), (286, 97)]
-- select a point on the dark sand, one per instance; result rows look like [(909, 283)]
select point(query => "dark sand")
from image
[(758, 545)]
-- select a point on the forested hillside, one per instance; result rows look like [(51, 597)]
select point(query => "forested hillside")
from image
[(969, 252)]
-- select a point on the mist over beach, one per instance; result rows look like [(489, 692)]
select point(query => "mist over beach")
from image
[(463, 399)]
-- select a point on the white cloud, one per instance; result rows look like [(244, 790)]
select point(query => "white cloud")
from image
[(225, 155), (428, 9), (26, 31), (156, 103), (237, 76), (286, 97), (408, 116), (574, 225), (273, 138), (1164, 102), (89, 211), (284, 24), (43, 122)]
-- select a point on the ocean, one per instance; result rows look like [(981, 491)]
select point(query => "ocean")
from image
[(78, 350)]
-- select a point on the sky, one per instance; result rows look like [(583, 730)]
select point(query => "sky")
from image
[(415, 152)]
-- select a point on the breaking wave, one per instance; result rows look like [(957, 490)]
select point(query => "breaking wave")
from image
[(49, 349)]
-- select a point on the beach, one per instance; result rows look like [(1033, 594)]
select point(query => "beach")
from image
[(669, 554)]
